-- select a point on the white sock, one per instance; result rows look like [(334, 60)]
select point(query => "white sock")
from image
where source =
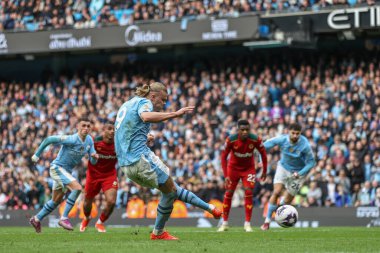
[(158, 231), (211, 207), (267, 220), (36, 219), (99, 222), (64, 218), (247, 223), (225, 223)]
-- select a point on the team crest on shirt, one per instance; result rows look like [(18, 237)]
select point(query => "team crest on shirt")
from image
[(250, 146), (114, 183), (81, 149), (64, 137), (145, 107), (88, 147), (291, 150), (236, 147)]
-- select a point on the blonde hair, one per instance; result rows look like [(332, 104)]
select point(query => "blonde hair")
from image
[(145, 89)]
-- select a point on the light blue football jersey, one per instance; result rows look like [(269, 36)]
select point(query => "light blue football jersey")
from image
[(73, 149), (131, 132), (296, 157)]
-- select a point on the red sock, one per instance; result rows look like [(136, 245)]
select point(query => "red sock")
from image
[(227, 204), (87, 213), (103, 217), (248, 204)]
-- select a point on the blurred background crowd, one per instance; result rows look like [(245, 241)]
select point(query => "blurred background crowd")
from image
[(335, 97), (32, 15)]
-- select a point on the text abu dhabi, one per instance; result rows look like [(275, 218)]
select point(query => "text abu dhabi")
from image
[(67, 40)]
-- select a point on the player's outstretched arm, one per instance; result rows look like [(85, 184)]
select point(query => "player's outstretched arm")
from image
[(46, 142), (94, 157), (269, 144), (224, 155), (155, 117), (92, 154), (264, 159), (309, 161)]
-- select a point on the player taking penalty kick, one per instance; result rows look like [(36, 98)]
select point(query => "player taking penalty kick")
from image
[(241, 165), (296, 161), (101, 176), (140, 164)]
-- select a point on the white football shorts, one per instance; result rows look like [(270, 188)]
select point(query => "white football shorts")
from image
[(285, 177), (149, 171)]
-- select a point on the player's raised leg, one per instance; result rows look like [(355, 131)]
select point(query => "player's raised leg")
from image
[(190, 198), (49, 207), (76, 190), (87, 208), (184, 195), (110, 196), (277, 190)]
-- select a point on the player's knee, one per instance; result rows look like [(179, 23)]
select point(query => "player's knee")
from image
[(229, 194), (58, 200), (111, 202), (276, 193), (77, 187)]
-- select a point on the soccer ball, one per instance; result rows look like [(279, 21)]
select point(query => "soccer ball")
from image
[(286, 216)]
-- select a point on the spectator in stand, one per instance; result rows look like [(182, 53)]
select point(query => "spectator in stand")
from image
[(33, 15)]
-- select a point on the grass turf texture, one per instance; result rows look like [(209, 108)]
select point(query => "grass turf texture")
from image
[(194, 240)]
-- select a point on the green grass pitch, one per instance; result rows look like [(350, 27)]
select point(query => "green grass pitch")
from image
[(192, 240)]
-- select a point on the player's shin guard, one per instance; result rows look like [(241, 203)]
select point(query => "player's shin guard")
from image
[(48, 208), (164, 209), (271, 209), (189, 197), (227, 204), (248, 204), (70, 202)]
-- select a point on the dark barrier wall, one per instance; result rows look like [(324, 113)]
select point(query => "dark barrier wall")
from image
[(308, 217), (327, 21), (153, 34)]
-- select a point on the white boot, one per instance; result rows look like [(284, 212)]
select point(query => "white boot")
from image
[(224, 227), (247, 227)]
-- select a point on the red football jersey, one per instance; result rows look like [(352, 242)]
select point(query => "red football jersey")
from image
[(242, 153), (106, 165)]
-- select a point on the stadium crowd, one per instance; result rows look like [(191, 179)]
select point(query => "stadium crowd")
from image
[(336, 98), (59, 14)]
